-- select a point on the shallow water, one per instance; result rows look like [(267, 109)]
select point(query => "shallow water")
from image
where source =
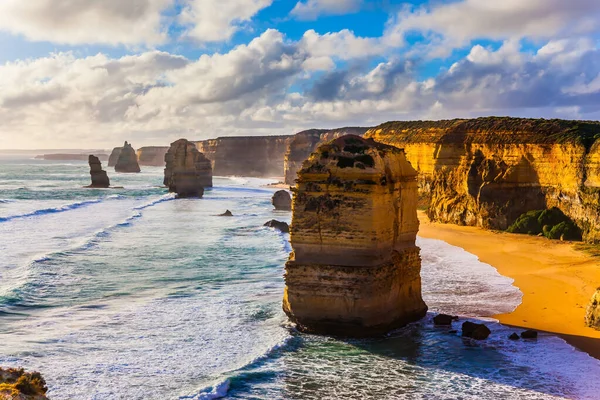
[(131, 294)]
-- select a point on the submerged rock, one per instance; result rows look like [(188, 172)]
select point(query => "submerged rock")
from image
[(355, 268), (444, 319), (16, 384), (282, 200), (187, 170), (98, 175), (514, 336), (226, 214), (592, 315), (127, 161), (529, 334), (475, 331), (281, 226)]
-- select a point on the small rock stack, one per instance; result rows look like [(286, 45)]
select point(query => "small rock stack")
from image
[(99, 176), (282, 200), (187, 170), (127, 161)]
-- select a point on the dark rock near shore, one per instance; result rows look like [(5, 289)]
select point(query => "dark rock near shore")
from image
[(444, 319), (475, 331), (514, 336), (282, 200), (187, 170), (281, 226), (127, 162), (226, 214), (529, 334), (99, 176)]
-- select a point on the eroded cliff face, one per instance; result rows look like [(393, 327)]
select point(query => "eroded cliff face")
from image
[(355, 268), (304, 143), (152, 156), (488, 171), (255, 156)]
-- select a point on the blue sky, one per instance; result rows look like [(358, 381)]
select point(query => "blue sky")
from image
[(79, 73)]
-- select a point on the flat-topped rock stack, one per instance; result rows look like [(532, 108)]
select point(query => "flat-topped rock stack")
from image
[(187, 170), (98, 175), (127, 161), (355, 268)]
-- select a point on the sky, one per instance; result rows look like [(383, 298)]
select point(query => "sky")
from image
[(91, 73)]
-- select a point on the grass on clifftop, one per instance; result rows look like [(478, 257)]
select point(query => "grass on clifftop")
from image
[(552, 223)]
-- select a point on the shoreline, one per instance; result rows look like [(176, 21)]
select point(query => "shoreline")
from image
[(557, 281)]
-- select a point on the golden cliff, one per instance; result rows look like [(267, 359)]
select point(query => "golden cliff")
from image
[(355, 268), (256, 156), (488, 171), (304, 143)]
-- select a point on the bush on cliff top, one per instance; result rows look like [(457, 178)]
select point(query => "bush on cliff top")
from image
[(552, 223)]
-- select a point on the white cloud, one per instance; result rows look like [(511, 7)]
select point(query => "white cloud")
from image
[(312, 9), (113, 22), (218, 20)]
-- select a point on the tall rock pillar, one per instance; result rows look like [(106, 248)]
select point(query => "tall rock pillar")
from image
[(187, 170), (355, 268)]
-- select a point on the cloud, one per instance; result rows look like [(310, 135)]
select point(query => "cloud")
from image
[(218, 20), (457, 24), (73, 22), (312, 9)]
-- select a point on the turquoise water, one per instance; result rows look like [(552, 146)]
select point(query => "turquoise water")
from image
[(132, 294)]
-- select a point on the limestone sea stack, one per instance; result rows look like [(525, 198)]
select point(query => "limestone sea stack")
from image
[(282, 200), (592, 315), (114, 156), (99, 176), (127, 161), (355, 269), (187, 170)]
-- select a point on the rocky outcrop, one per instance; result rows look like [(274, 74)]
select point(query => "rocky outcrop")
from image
[(16, 384), (152, 156), (98, 175), (114, 156), (592, 315), (280, 226), (304, 143), (355, 268), (488, 171), (475, 331), (254, 156), (127, 161), (282, 200), (187, 171)]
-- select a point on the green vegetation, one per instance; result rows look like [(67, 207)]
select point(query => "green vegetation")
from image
[(552, 223)]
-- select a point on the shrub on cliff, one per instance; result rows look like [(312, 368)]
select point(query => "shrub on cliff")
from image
[(552, 223)]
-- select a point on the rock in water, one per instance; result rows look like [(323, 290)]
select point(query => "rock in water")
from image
[(444, 319), (355, 269), (529, 334), (99, 176), (282, 200), (514, 336), (592, 315), (187, 170), (475, 331), (226, 214), (281, 226), (114, 156), (16, 384), (127, 161)]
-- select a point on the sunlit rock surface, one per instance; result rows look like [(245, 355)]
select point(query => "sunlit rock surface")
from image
[(16, 384), (355, 268), (187, 170), (488, 171), (592, 315)]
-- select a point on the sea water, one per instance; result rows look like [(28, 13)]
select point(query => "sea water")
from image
[(133, 294)]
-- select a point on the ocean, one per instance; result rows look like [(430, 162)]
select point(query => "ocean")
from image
[(133, 294)]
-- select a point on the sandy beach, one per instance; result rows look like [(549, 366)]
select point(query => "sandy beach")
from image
[(557, 280)]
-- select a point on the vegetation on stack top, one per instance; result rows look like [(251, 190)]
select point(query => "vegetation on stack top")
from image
[(552, 223), (16, 382), (501, 130)]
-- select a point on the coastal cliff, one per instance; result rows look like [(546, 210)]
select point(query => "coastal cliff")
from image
[(152, 156), (304, 143), (254, 156), (488, 171), (355, 268)]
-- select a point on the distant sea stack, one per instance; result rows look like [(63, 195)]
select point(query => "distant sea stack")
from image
[(355, 268), (487, 172), (99, 176), (304, 143), (114, 156), (187, 170), (282, 200), (254, 156), (127, 161), (152, 156)]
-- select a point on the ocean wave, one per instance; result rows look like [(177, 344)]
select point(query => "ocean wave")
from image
[(60, 209)]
